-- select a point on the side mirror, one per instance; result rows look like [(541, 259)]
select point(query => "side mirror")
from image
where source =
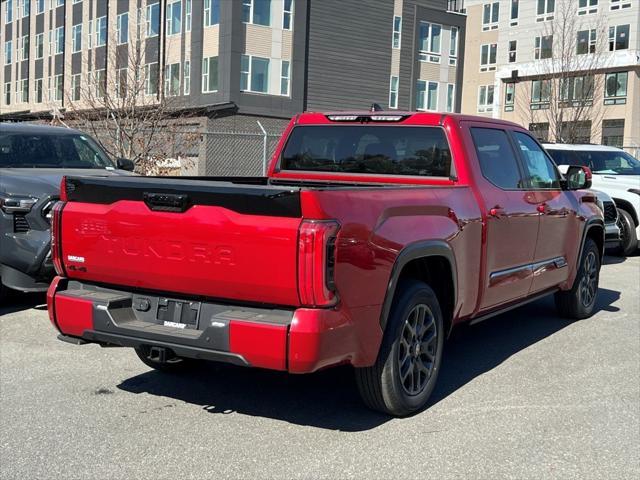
[(125, 164), (578, 177)]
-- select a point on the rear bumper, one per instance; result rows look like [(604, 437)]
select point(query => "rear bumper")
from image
[(297, 341)]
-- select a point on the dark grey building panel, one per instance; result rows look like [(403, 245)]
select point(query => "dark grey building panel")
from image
[(40, 23), (59, 64), (123, 6), (76, 63), (60, 16), (8, 31), (122, 56), (152, 50), (24, 69), (7, 74), (77, 13), (100, 58), (25, 26), (38, 68), (349, 56), (101, 8)]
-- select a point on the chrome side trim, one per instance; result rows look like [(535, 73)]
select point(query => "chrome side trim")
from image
[(522, 272)]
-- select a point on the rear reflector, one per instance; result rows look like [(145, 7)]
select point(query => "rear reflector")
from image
[(316, 263), (56, 238)]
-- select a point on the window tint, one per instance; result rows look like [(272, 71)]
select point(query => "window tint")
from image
[(497, 159), (565, 157), (390, 150), (541, 172)]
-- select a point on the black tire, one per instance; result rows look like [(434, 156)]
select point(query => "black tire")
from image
[(384, 386), (173, 365), (579, 302), (4, 294), (628, 237)]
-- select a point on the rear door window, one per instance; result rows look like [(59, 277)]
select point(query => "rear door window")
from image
[(368, 149), (498, 161)]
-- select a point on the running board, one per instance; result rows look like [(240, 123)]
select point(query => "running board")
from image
[(500, 311)]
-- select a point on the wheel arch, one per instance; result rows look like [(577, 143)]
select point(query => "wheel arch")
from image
[(594, 229), (426, 261)]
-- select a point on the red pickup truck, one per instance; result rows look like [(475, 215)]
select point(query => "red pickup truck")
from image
[(372, 236)]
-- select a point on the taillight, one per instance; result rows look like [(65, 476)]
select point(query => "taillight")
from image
[(316, 263), (56, 237)]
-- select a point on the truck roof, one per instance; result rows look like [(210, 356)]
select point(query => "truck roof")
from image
[(36, 129), (580, 146), (426, 118)]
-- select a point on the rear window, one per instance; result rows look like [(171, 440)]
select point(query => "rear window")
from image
[(388, 150)]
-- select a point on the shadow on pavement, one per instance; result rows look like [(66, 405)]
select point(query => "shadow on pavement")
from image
[(17, 302), (613, 260), (329, 399)]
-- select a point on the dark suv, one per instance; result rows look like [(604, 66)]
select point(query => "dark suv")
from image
[(33, 159)]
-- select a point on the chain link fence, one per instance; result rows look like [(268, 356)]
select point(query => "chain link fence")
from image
[(237, 153)]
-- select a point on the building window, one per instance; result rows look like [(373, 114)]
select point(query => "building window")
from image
[(545, 10), (618, 37), (172, 80), (211, 12), (257, 12), (59, 3), (586, 7), (615, 88), (393, 92), (122, 28), (187, 16), (24, 41), (210, 75), (100, 79), (287, 14), (151, 79), (509, 96), (576, 132), (620, 4), (490, 15), (543, 47), (284, 78), (429, 45), (59, 48), (174, 18), (515, 8), (254, 74), (540, 94), (76, 32), (38, 90), (576, 91), (485, 98), (76, 82), (39, 45), (613, 132), (8, 14), (397, 31), (187, 77), (153, 19), (25, 8), (39, 6), (586, 42), (540, 131), (427, 95), (451, 97), (58, 88), (488, 54), (24, 90), (453, 46), (513, 46), (8, 52), (101, 31)]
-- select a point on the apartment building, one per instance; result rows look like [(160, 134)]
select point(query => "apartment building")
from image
[(556, 65), (234, 61)]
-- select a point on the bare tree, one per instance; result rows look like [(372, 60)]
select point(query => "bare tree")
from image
[(571, 53), (136, 111)]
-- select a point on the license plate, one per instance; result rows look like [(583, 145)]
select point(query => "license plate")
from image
[(178, 314)]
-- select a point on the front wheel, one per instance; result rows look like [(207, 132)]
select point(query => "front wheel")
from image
[(579, 302), (628, 237), (405, 373)]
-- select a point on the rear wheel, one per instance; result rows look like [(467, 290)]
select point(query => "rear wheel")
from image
[(579, 302), (405, 373), (628, 237), (167, 363), (4, 293)]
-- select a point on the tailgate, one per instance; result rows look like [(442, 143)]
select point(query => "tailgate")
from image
[(216, 239)]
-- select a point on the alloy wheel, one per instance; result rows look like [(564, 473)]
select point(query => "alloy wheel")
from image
[(418, 347), (589, 281)]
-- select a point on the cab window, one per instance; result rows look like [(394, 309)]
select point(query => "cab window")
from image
[(498, 161), (540, 171)]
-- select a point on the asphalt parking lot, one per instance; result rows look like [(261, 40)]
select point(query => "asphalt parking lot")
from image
[(524, 395)]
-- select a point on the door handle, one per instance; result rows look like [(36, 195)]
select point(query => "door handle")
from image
[(497, 212)]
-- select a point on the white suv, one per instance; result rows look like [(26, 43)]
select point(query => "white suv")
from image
[(616, 173)]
